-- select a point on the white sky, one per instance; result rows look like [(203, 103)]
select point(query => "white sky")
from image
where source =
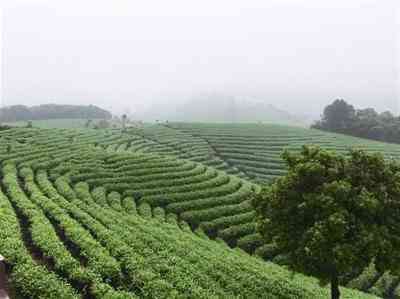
[(297, 55)]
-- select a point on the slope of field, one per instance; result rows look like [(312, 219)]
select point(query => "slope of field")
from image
[(81, 217), (52, 123), (250, 151), (255, 149)]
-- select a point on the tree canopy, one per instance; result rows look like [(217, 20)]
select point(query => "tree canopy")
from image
[(341, 117), (338, 116), (333, 215)]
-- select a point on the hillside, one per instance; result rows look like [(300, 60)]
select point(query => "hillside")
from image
[(224, 109), (61, 123), (251, 151), (109, 214), (52, 111)]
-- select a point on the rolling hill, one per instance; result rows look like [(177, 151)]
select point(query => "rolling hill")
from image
[(152, 212)]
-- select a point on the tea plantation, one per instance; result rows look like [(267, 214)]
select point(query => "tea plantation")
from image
[(158, 211)]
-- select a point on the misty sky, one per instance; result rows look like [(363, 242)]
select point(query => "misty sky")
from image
[(298, 55)]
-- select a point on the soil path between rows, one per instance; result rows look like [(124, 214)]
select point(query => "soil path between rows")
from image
[(3, 281)]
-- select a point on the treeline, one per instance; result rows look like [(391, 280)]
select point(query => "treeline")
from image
[(52, 111), (341, 117)]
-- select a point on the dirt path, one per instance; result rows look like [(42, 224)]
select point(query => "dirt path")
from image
[(3, 281)]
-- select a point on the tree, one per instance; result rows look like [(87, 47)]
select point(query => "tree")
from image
[(386, 116), (367, 113), (333, 214), (365, 120), (338, 116), (367, 123)]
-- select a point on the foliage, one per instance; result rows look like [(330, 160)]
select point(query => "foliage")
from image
[(81, 208), (338, 116), (341, 117), (333, 214)]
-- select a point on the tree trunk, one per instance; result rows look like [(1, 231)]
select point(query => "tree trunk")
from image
[(335, 292)]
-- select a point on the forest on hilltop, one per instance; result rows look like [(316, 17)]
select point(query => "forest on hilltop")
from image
[(342, 117)]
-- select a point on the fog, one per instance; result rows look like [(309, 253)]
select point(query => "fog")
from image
[(132, 55)]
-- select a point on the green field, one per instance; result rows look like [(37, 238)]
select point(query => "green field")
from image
[(53, 123), (251, 151), (160, 211)]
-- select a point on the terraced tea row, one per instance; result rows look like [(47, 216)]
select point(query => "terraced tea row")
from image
[(255, 149), (192, 191), (92, 184), (185, 146), (64, 235)]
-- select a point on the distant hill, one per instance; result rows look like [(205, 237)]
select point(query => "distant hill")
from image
[(52, 111), (215, 108)]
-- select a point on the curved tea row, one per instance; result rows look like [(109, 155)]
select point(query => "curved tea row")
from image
[(84, 217), (255, 149)]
